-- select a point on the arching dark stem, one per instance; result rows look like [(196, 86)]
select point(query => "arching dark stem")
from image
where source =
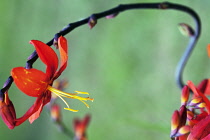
[(124, 7)]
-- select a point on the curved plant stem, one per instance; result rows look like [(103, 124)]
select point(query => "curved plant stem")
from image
[(121, 8)]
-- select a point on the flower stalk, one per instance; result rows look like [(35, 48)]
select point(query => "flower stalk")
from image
[(43, 87), (125, 7)]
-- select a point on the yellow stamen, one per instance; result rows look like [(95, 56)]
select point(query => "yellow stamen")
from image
[(81, 92), (62, 94), (67, 105)]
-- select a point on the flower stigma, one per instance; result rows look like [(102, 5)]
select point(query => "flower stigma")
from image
[(62, 94)]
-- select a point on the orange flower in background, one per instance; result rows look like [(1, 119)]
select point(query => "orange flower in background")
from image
[(80, 127), (38, 84), (55, 113), (188, 123)]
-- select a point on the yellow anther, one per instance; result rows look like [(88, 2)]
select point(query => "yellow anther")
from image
[(81, 92)]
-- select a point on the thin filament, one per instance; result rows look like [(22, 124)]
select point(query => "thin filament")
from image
[(62, 94), (69, 95), (67, 104)]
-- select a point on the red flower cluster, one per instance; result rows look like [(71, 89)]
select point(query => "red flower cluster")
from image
[(36, 83), (192, 120)]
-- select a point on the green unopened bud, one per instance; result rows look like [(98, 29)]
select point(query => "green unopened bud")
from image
[(186, 30)]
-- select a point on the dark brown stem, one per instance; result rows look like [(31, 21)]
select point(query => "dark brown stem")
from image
[(124, 7), (121, 8)]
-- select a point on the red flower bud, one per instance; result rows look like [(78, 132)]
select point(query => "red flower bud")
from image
[(80, 127), (185, 95), (55, 113), (7, 111)]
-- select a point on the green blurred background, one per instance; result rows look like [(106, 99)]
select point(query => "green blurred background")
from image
[(126, 63)]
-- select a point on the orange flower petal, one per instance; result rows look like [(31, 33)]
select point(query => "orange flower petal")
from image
[(63, 49), (208, 49), (35, 110), (30, 112), (32, 82), (45, 98), (36, 114), (47, 55)]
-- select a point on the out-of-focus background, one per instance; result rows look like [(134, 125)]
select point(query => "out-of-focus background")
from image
[(127, 64)]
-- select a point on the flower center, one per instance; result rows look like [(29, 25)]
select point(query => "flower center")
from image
[(62, 94)]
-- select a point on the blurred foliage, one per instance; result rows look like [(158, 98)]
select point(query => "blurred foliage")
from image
[(126, 63)]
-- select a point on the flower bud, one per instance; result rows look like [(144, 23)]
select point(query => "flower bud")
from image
[(175, 121), (197, 103), (92, 21), (80, 127), (185, 95), (55, 113), (183, 130), (186, 29), (112, 15), (7, 110), (183, 115)]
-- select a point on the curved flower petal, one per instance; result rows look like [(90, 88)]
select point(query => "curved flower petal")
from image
[(204, 86), (47, 55), (32, 82), (30, 111), (63, 49), (35, 110), (45, 98), (36, 114)]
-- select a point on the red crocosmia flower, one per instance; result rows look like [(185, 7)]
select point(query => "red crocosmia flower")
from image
[(195, 125), (80, 127), (7, 111), (38, 84)]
